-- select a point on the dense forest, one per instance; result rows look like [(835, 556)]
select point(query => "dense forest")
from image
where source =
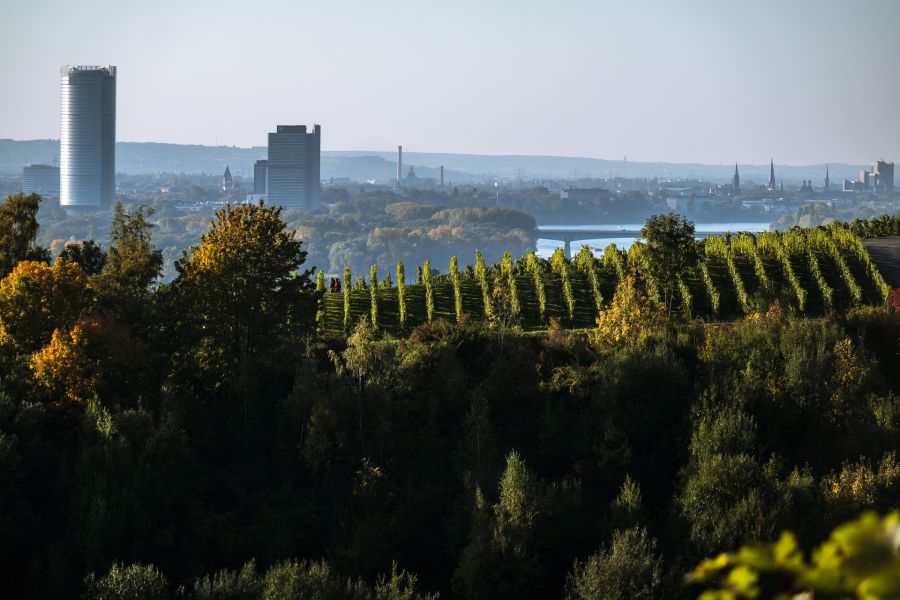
[(209, 438)]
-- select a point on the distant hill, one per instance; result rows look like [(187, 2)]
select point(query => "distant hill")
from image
[(151, 157)]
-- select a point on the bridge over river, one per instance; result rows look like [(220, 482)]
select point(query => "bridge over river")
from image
[(578, 233)]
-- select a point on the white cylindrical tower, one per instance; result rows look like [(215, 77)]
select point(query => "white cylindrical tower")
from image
[(87, 140)]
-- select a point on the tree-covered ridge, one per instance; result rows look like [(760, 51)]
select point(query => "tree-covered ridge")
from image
[(808, 271), (202, 440)]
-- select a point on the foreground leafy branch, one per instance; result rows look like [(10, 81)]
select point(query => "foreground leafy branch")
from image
[(860, 559)]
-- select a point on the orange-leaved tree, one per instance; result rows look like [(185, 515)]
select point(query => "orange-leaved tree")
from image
[(36, 299)]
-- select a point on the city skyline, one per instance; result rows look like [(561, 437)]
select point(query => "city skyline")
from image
[(602, 80)]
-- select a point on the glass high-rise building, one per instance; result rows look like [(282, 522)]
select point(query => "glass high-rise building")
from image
[(292, 169), (87, 141)]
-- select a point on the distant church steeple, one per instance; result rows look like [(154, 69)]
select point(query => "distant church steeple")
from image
[(771, 185), (827, 181), (736, 180), (227, 181)]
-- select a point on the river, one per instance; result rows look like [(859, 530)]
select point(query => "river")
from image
[(545, 247)]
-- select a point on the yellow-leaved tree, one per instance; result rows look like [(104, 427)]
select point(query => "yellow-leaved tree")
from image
[(36, 299), (96, 357), (629, 321)]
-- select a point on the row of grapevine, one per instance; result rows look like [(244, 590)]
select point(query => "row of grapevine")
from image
[(373, 295), (770, 243), (687, 301), (561, 268), (532, 266), (844, 255), (823, 243), (847, 241), (612, 258), (717, 247), (745, 245), (637, 261), (481, 276), (348, 281), (711, 290), (457, 292), (824, 288), (320, 302), (584, 260), (401, 293), (506, 267), (429, 290)]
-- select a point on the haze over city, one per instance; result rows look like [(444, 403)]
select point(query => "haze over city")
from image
[(713, 82), (475, 300)]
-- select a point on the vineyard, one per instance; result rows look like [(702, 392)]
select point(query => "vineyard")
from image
[(813, 271)]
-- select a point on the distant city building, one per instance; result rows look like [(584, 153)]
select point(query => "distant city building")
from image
[(292, 170), (259, 177), (41, 179), (736, 180), (879, 179), (807, 186), (771, 183), (399, 165), (87, 141), (227, 181), (883, 174), (584, 194)]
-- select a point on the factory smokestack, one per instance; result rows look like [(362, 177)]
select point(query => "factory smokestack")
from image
[(399, 164)]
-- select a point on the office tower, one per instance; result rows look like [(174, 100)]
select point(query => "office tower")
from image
[(41, 179), (259, 177), (87, 141), (771, 184), (736, 180), (883, 176), (399, 165), (292, 169)]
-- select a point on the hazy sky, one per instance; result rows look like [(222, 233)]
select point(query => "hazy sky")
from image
[(710, 81)]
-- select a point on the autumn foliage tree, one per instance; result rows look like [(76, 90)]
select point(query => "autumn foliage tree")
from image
[(629, 321), (36, 299), (242, 282)]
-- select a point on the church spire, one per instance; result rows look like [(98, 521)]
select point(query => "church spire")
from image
[(827, 180), (736, 180), (771, 185)]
